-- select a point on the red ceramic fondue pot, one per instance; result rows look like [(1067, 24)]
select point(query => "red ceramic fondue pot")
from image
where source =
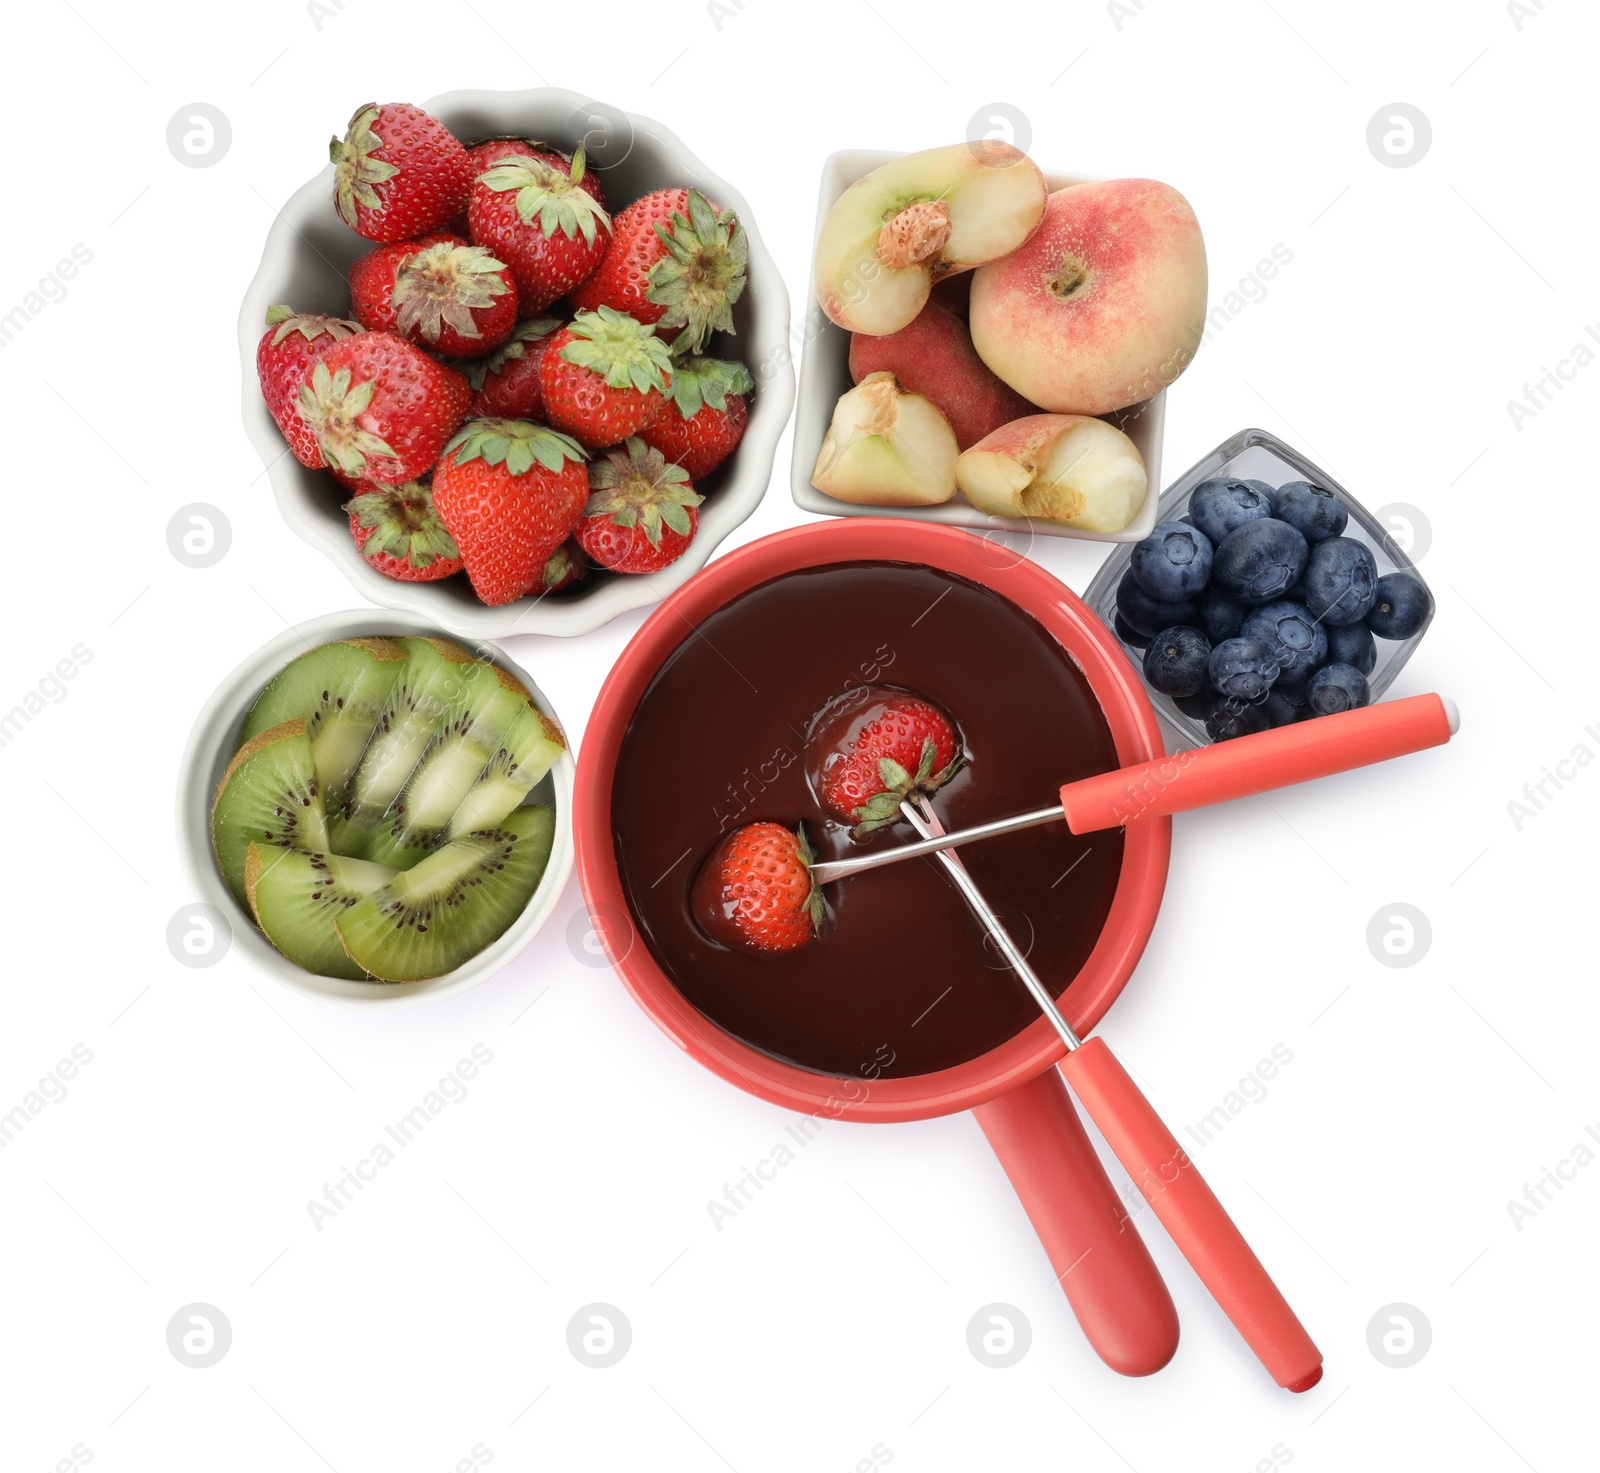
[(1014, 1089)]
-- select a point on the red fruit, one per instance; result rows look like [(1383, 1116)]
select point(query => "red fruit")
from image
[(701, 422), (675, 259), (290, 346), (381, 408), (398, 172), (541, 213), (641, 514), (437, 292), (510, 493), (399, 531), (603, 376), (567, 566), (755, 891), (505, 385), (895, 745)]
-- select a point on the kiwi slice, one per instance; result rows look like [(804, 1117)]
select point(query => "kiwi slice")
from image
[(485, 761), (339, 690), (268, 796), (526, 752), (417, 707), (446, 908), (296, 897)]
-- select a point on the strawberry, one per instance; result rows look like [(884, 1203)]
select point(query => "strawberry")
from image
[(505, 385), (906, 745), (482, 156), (675, 259), (510, 493), (398, 530), (641, 514), (702, 421), (541, 213), (567, 566), (437, 292), (755, 891), (293, 342), (398, 172), (381, 408), (602, 377)]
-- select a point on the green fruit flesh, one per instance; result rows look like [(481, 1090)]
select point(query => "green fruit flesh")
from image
[(525, 754), (296, 897), (417, 708), (448, 907), (338, 690), (269, 796)]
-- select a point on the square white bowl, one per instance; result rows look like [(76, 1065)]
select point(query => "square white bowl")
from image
[(825, 376), (215, 738), (308, 254)]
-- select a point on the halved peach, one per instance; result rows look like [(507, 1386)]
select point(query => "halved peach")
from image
[(887, 448), (1066, 468), (892, 234)]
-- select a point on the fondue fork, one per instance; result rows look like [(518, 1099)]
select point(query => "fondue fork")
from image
[(1258, 763), (1151, 1155)]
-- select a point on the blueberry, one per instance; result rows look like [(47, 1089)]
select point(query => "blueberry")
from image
[(1243, 669), (1175, 663), (1351, 644), (1400, 608), (1221, 615), (1341, 581), (1313, 510), (1220, 506), (1298, 641), (1229, 718), (1149, 616), (1260, 561), (1198, 706), (1280, 710), (1173, 562), (1128, 634), (1337, 688)]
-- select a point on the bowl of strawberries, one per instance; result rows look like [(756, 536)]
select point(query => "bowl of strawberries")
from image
[(516, 361)]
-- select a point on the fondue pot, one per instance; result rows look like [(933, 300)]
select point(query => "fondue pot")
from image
[(1014, 1089)]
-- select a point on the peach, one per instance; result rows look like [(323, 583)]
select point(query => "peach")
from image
[(933, 356), (886, 448), (897, 230), (1103, 306), (1066, 468)]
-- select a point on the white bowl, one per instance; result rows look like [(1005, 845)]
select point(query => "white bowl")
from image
[(825, 376), (214, 740), (308, 253)]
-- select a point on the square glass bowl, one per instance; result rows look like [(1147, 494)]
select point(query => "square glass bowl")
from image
[(825, 377), (1257, 455)]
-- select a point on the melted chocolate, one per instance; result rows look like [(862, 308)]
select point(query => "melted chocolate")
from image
[(903, 980)]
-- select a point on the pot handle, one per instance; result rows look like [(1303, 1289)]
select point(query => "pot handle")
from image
[(1100, 1260), (1259, 762), (1188, 1209)]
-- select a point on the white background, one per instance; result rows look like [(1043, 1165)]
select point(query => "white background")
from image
[(829, 1318)]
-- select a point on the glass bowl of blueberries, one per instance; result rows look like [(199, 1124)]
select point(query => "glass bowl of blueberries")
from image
[(1266, 595)]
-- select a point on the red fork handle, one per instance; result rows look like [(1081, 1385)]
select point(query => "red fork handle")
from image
[(1258, 763), (1100, 1260), (1189, 1211)]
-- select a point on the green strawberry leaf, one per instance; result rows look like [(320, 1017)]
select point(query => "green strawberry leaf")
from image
[(517, 444)]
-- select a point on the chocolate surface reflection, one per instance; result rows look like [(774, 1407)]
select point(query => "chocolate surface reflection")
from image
[(903, 981)]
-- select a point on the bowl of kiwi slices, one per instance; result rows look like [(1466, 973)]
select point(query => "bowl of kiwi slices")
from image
[(380, 812)]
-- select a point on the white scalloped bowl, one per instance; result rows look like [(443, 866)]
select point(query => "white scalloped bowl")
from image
[(308, 253)]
